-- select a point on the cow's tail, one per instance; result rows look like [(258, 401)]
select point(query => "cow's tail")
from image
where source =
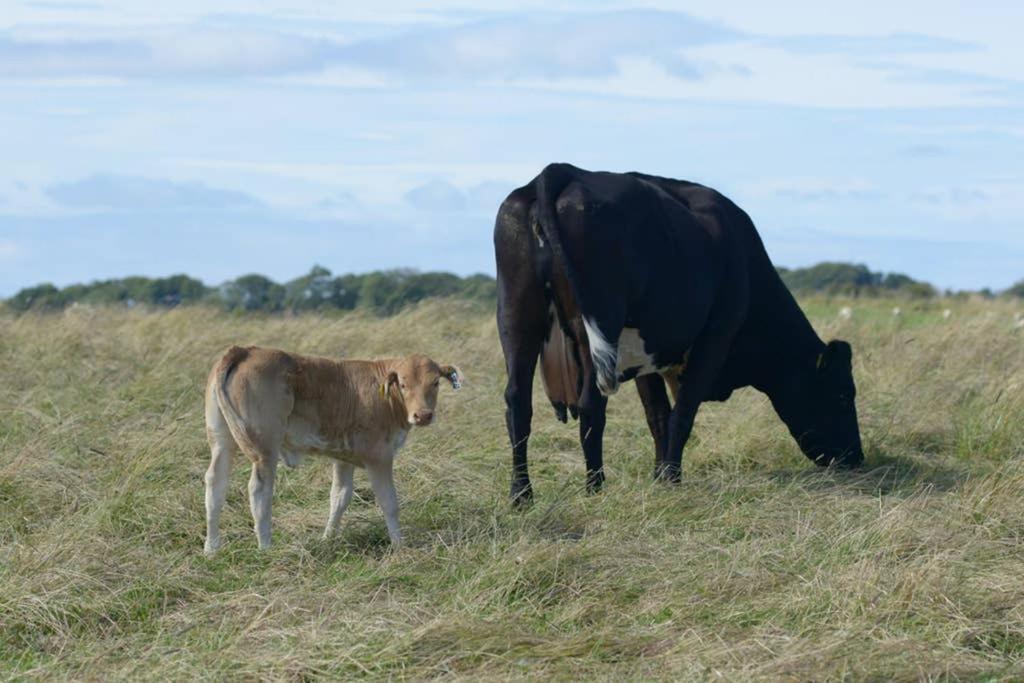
[(550, 183), (560, 371), (236, 424)]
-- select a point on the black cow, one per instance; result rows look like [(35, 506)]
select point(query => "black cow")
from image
[(609, 277)]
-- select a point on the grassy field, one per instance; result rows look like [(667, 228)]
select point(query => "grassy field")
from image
[(758, 566)]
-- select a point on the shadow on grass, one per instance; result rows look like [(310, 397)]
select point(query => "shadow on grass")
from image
[(882, 474)]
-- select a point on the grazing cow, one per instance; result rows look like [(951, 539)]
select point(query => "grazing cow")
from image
[(608, 277), (273, 405)]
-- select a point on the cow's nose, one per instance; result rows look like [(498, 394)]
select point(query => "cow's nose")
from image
[(423, 417)]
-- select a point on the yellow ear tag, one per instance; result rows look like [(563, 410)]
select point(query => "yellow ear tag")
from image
[(383, 389)]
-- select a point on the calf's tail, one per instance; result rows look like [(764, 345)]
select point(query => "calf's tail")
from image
[(236, 424)]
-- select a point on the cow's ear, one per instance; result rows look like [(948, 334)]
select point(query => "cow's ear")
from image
[(453, 375), (837, 356), (391, 380)]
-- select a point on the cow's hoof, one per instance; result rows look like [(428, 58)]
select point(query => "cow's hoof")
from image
[(670, 474), (522, 495), (847, 462), (595, 480)]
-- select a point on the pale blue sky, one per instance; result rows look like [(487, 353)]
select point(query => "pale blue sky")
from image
[(221, 138)]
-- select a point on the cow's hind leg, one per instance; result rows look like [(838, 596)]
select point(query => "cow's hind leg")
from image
[(222, 447), (341, 494), (657, 408), (261, 493), (593, 410), (522, 324)]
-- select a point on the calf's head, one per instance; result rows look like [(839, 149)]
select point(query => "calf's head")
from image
[(817, 403), (417, 379)]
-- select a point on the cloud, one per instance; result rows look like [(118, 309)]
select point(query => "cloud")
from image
[(892, 44), (436, 195), (957, 196), (126, 193), (487, 196), (588, 44), (815, 191), (72, 6), (9, 250), (582, 45), (440, 195), (925, 151), (164, 54)]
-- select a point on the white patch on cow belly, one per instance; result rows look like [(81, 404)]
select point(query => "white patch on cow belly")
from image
[(633, 353), (604, 356)]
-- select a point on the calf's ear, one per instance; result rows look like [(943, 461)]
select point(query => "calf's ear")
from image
[(385, 387), (453, 375)]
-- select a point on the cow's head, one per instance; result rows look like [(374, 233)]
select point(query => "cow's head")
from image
[(417, 379), (817, 401)]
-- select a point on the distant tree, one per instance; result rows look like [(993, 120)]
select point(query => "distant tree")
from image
[(480, 288), (919, 290), (311, 292), (252, 293), (378, 291), (345, 291), (832, 278), (174, 290), (383, 292), (44, 297), (1016, 290), (852, 280)]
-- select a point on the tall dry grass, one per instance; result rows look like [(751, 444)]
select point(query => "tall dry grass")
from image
[(758, 567)]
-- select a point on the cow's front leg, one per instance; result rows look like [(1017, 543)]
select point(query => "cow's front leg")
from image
[(593, 407), (691, 385), (657, 409), (383, 482)]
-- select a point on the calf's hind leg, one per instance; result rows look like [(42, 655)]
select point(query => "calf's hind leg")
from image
[(222, 447), (261, 492)]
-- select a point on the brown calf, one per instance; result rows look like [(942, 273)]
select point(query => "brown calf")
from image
[(275, 405)]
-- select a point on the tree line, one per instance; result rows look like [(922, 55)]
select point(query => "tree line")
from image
[(383, 292), (386, 292)]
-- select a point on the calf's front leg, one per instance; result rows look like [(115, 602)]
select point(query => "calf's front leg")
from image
[(341, 494), (383, 482)]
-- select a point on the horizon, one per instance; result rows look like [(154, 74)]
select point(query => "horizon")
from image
[(402, 270), (215, 142)]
